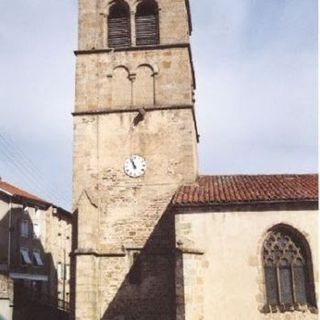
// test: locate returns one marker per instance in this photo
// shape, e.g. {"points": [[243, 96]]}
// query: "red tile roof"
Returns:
{"points": [[17, 192], [248, 189]]}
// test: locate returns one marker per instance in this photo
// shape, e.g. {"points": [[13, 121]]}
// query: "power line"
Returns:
{"points": [[38, 175], [31, 170]]}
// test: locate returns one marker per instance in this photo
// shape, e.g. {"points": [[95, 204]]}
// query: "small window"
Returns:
{"points": [[119, 34], [147, 23], [288, 271], [25, 258], [24, 228], [37, 258], [36, 231]]}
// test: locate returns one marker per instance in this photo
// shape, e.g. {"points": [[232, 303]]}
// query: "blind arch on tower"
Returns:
{"points": [[288, 271], [147, 23], [121, 88], [144, 86], [119, 31]]}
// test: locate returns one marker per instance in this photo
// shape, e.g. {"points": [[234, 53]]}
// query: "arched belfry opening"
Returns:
{"points": [[147, 23], [119, 33], [288, 270]]}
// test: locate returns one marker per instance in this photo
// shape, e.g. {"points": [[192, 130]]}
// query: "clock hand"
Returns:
{"points": [[134, 166]]}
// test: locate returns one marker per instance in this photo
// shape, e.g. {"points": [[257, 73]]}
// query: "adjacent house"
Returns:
{"points": [[35, 242]]}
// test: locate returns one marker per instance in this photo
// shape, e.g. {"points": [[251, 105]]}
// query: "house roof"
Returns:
{"points": [[14, 191], [247, 189]]}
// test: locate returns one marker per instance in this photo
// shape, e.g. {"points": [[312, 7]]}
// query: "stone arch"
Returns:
{"points": [[285, 252], [144, 86], [118, 24], [121, 87]]}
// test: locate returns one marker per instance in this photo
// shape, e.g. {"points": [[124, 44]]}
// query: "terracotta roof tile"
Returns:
{"points": [[17, 192], [248, 188]]}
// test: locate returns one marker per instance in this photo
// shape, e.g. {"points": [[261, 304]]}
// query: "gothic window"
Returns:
{"points": [[119, 25], [288, 271], [147, 23]]}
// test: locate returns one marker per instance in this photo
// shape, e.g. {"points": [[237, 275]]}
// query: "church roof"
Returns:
{"points": [[246, 189]]}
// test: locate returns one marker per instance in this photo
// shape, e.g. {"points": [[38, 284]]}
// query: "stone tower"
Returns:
{"points": [[135, 143]]}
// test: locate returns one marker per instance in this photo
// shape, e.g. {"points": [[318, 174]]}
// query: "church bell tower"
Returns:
{"points": [[135, 143]]}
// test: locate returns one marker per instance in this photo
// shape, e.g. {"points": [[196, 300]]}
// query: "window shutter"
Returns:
{"points": [[119, 32], [25, 256], [147, 29], [37, 257]]}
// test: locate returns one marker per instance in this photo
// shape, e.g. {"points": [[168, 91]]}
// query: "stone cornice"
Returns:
{"points": [[253, 206], [136, 109], [129, 109]]}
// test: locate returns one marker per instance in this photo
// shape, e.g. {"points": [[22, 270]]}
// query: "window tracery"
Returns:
{"points": [[287, 273]]}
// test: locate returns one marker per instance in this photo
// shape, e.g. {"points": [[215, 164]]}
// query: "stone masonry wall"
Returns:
{"points": [[118, 214], [131, 79], [93, 22], [125, 254]]}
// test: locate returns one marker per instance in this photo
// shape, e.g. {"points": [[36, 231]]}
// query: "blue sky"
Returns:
{"points": [[256, 93]]}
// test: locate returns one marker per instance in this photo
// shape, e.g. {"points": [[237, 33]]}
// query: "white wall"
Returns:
{"points": [[232, 279]]}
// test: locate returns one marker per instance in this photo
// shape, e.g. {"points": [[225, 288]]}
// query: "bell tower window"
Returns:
{"points": [[147, 23], [119, 34]]}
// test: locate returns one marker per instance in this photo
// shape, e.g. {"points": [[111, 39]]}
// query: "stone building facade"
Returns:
{"points": [[135, 145], [35, 237], [134, 100]]}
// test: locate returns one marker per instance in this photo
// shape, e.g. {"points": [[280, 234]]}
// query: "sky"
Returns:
{"points": [[256, 97]]}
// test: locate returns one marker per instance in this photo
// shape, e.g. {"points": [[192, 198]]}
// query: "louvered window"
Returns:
{"points": [[288, 273], [147, 23], [119, 26]]}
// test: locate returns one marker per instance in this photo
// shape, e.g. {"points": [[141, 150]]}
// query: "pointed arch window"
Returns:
{"points": [[288, 271], [119, 34], [147, 23]]}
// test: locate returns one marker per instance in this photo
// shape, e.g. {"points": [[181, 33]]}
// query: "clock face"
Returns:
{"points": [[135, 166]]}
